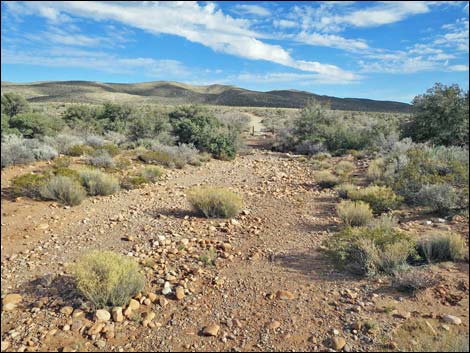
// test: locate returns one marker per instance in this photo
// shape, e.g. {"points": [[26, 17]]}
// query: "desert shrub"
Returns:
{"points": [[414, 280], [439, 197], [62, 162], [13, 104], [442, 247], [440, 116], [370, 250], [148, 124], [320, 164], [385, 222], [131, 182], [215, 202], [79, 150], [114, 117], [161, 157], [101, 159], [94, 141], [344, 189], [122, 163], [108, 279], [115, 137], [353, 213], [375, 171], [112, 149], [36, 124], [67, 172], [63, 189], [326, 180], [151, 174], [63, 142], [82, 117], [28, 185], [344, 168], [199, 127], [16, 150], [410, 167], [98, 183], [171, 156], [380, 198]]}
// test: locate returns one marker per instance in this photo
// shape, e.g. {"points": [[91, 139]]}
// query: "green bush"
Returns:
{"points": [[440, 116], [62, 162], [101, 159], [131, 182], [326, 180], [28, 185], [380, 198], [370, 250], [160, 157], [320, 164], [82, 117], [108, 279], [35, 124], [63, 189], [215, 202], [79, 150], [13, 104], [110, 148], [354, 214], [375, 171], [343, 190], [99, 183], [151, 174], [344, 167], [67, 172], [441, 198], [442, 247]]}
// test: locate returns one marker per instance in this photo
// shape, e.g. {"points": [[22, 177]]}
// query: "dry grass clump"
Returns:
{"points": [[375, 171], [63, 189], [442, 247], [215, 202], [151, 173], [344, 189], [414, 280], [106, 278], [99, 183], [343, 168], [354, 214], [326, 179]]}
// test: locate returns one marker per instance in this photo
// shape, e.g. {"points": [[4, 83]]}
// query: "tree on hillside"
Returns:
{"points": [[440, 116]]}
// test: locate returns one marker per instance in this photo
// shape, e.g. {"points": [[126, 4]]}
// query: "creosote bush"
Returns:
{"points": [[353, 213], [215, 202], [108, 279], [63, 189], [98, 183], [326, 179], [380, 198], [442, 247]]}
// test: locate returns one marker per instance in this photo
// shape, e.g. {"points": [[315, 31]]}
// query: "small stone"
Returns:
{"points": [[338, 343], [166, 288], [96, 328], [211, 330], [134, 304], [273, 325], [179, 292], [450, 319], [117, 314], [403, 315], [12, 298], [5, 345], [9, 307], [163, 302], [152, 297], [100, 344], [66, 310], [102, 315], [148, 317], [284, 295]]}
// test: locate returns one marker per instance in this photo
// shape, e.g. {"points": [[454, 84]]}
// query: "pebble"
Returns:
{"points": [[211, 330], [102, 315], [338, 343], [12, 299], [284, 295], [179, 292], [134, 304], [66, 310], [450, 319], [117, 314]]}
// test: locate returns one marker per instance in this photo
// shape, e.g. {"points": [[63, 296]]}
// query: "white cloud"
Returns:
{"points": [[201, 24], [284, 23], [256, 10], [458, 68], [331, 40], [286, 78]]}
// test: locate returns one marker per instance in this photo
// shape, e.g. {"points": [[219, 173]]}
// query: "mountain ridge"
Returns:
{"points": [[172, 92]]}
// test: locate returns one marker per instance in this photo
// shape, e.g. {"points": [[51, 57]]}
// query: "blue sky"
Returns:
{"points": [[377, 50]]}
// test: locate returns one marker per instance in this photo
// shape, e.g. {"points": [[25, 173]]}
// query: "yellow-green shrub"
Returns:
{"points": [[326, 180], [79, 150], [28, 184], [375, 171], [344, 189], [99, 183], [106, 278], [380, 198], [215, 202], [151, 173], [353, 213], [344, 167]]}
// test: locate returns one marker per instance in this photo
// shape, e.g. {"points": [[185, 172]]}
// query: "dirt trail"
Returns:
{"points": [[273, 247]]}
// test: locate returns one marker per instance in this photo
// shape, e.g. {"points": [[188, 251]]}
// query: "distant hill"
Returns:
{"points": [[165, 92]]}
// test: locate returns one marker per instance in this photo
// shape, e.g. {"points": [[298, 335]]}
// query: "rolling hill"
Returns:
{"points": [[165, 92]]}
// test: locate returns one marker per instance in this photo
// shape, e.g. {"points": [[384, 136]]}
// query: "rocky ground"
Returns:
{"points": [[258, 282]]}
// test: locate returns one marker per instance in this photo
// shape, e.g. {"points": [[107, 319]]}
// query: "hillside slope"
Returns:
{"points": [[179, 93]]}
